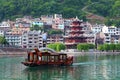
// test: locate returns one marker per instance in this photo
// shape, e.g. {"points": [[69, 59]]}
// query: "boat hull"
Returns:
{"points": [[31, 64]]}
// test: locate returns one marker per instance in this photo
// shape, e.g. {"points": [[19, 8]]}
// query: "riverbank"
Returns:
{"points": [[9, 54], [91, 53], [14, 53]]}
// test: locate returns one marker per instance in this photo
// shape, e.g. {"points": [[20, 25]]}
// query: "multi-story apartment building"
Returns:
{"points": [[47, 19], [37, 22], [114, 33], [20, 28], [1, 32], [5, 24], [112, 30], [4, 27], [107, 38], [13, 39], [58, 22], [55, 38], [97, 28], [117, 31], [32, 39], [111, 33]]}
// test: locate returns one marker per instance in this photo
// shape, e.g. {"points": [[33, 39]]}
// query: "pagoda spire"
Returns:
{"points": [[77, 19]]}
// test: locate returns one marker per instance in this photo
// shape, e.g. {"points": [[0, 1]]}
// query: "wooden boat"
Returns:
{"points": [[46, 56]]}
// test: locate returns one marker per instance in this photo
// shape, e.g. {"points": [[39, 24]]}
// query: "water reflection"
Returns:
{"points": [[89, 67], [48, 73]]}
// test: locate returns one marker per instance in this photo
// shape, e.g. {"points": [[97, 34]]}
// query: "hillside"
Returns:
{"points": [[11, 9]]}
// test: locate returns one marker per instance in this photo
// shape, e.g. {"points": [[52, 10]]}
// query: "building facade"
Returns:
{"points": [[75, 35], [32, 39], [55, 38], [13, 39]]}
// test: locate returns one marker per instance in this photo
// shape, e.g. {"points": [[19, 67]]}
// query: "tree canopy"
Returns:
{"points": [[52, 31], [57, 46], [11, 9], [3, 40]]}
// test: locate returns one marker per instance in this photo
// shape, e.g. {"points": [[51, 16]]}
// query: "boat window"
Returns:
{"points": [[35, 57], [31, 57], [56, 58], [44, 58], [39, 58]]}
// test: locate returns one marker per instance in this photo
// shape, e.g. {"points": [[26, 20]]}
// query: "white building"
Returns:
{"points": [[32, 39], [13, 40], [97, 28], [111, 33], [1, 33], [5, 24], [117, 31], [105, 29], [112, 30], [4, 27]]}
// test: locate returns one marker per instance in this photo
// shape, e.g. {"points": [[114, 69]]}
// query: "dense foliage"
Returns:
{"points": [[109, 47], [110, 9], [57, 46], [37, 28], [11, 9], [52, 32], [85, 46], [3, 41]]}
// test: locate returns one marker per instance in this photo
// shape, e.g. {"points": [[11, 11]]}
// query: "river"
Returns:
{"points": [[87, 67]]}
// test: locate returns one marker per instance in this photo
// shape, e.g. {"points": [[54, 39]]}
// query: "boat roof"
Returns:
{"points": [[44, 49], [51, 51]]}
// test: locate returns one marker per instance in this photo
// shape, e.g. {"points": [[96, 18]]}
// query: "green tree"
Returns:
{"points": [[106, 47], [117, 47], [91, 46], [116, 8], [17, 8], [60, 47], [52, 46], [112, 47], [57, 46], [100, 47], [83, 46], [3, 40], [52, 31], [37, 27]]}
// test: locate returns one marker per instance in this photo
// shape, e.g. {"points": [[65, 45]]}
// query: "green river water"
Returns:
{"points": [[89, 67]]}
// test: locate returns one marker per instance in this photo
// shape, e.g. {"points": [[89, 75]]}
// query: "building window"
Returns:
{"points": [[35, 38], [24, 39], [35, 35], [35, 46], [30, 41], [30, 38], [24, 43], [30, 46], [30, 35]]}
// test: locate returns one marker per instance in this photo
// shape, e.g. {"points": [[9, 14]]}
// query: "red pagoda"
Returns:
{"points": [[75, 34]]}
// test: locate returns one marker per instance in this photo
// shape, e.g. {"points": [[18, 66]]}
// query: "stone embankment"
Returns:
{"points": [[12, 51], [91, 53], [23, 52]]}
